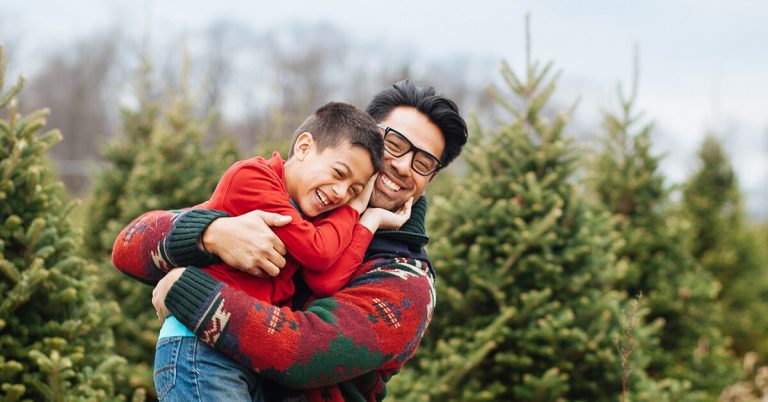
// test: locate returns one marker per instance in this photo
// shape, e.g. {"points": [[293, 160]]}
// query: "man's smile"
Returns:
{"points": [[389, 183]]}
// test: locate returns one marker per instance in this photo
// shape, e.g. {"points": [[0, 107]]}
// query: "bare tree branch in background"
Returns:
{"points": [[300, 69], [262, 84], [75, 85], [221, 47], [12, 40]]}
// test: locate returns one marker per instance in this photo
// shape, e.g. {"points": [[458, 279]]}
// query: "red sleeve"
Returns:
{"points": [[249, 186], [139, 250], [324, 284]]}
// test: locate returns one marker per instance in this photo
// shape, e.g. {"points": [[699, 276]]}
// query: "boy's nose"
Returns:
{"points": [[337, 193]]}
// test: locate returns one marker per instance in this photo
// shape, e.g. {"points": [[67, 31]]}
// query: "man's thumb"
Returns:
{"points": [[273, 219]]}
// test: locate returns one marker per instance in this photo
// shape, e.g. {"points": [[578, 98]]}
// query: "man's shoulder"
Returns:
{"points": [[408, 269]]}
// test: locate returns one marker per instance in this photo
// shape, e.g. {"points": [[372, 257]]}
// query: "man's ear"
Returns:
{"points": [[304, 143]]}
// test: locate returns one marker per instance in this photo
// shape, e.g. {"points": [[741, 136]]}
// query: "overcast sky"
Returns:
{"points": [[704, 64]]}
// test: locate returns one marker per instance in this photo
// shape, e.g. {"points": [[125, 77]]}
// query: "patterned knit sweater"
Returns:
{"points": [[343, 347]]}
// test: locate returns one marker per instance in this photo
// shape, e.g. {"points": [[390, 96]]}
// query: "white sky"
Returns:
{"points": [[704, 64]]}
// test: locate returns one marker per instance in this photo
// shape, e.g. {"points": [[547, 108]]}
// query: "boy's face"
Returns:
{"points": [[397, 182], [329, 179]]}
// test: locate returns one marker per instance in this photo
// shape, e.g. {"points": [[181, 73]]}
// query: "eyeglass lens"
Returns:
{"points": [[397, 145]]}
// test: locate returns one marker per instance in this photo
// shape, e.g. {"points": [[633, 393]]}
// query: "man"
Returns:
{"points": [[343, 347]]}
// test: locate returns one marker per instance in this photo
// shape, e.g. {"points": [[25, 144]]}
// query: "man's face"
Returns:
{"points": [[397, 182]]}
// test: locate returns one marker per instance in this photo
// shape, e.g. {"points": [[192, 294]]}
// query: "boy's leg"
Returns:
{"points": [[189, 370]]}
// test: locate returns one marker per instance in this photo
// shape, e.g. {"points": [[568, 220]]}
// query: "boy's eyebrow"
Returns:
{"points": [[345, 165]]}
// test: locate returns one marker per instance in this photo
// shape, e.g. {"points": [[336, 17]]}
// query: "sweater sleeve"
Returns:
{"points": [[324, 284], [315, 245], [376, 322], [158, 241]]}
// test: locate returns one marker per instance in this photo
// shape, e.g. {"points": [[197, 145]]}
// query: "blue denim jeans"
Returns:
{"points": [[189, 370]]}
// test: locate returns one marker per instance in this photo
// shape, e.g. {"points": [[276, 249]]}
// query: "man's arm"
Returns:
{"points": [[158, 241], [376, 322]]}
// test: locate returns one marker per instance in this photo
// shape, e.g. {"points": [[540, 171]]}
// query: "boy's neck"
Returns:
{"points": [[290, 171]]}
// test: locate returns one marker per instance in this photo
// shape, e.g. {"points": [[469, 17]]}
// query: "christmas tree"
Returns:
{"points": [[159, 162], [54, 344], [655, 261], [728, 248], [525, 268]]}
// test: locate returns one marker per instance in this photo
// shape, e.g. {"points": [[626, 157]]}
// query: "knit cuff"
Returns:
{"points": [[190, 296], [181, 244]]}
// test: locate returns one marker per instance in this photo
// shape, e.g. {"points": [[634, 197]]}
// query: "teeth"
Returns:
{"points": [[321, 198], [390, 184]]}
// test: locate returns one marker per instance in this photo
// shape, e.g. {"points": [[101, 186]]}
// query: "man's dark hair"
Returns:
{"points": [[336, 122], [440, 110]]}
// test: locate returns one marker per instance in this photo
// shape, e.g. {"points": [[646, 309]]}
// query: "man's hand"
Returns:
{"points": [[360, 203], [161, 291], [247, 243]]}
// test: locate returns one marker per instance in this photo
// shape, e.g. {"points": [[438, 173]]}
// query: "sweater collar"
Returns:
{"points": [[413, 231], [406, 242]]}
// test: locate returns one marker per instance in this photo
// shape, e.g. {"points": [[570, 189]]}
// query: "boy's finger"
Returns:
{"points": [[406, 210]]}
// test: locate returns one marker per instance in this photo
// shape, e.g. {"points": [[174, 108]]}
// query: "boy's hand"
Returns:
{"points": [[379, 218], [360, 203], [247, 243]]}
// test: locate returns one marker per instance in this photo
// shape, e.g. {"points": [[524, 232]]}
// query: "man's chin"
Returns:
{"points": [[379, 200]]}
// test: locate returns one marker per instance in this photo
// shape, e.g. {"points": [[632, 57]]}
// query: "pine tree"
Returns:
{"points": [[729, 248], [53, 341], [681, 295], [525, 307], [160, 162]]}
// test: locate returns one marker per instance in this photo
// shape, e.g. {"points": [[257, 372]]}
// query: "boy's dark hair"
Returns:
{"points": [[336, 122], [442, 111]]}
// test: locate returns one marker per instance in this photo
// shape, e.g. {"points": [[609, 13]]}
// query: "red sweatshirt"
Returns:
{"points": [[329, 248]]}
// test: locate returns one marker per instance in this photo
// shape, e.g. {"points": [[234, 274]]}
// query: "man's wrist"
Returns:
{"points": [[207, 241], [189, 294], [182, 244], [370, 220]]}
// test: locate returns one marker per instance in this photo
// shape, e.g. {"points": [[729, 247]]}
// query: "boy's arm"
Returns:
{"points": [[315, 245], [376, 322], [326, 283]]}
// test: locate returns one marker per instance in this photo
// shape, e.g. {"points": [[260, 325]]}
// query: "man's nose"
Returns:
{"points": [[402, 164]]}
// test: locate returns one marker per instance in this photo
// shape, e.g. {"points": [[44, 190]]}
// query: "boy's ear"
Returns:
{"points": [[304, 143]]}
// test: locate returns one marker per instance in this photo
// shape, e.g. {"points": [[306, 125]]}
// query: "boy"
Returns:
{"points": [[333, 159]]}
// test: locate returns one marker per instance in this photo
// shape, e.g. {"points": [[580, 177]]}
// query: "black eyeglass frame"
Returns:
{"points": [[411, 147]]}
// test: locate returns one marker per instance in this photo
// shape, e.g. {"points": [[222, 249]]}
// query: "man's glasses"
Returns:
{"points": [[395, 143]]}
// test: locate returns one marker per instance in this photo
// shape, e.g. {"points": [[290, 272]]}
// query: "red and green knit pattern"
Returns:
{"points": [[340, 348]]}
